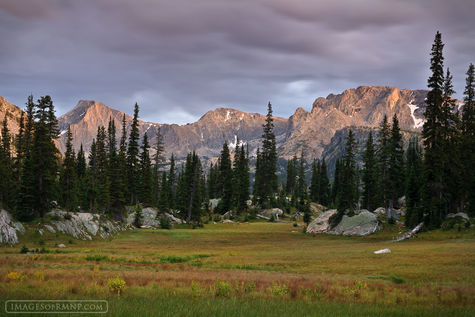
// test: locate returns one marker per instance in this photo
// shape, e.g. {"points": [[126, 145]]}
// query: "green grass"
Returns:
{"points": [[252, 269]]}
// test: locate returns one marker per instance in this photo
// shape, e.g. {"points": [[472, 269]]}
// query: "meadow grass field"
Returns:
{"points": [[249, 269]]}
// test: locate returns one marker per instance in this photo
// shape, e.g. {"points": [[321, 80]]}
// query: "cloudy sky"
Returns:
{"points": [[181, 58]]}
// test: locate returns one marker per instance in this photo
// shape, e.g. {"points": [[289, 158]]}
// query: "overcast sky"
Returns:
{"points": [[181, 58]]}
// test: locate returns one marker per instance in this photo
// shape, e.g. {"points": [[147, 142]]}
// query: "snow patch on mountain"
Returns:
{"points": [[418, 123]]}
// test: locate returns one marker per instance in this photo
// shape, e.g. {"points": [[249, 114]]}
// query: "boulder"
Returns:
{"points": [[459, 214], [382, 251], [227, 221], [380, 211], [360, 225], [50, 229], [9, 228], [316, 208], [321, 225], [402, 202], [276, 212], [61, 245]]}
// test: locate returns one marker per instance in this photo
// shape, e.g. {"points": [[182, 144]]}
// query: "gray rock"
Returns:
{"points": [[50, 229], [8, 229], [380, 211], [40, 231], [321, 225], [276, 212], [459, 214], [360, 225], [382, 251], [61, 245], [227, 221]]}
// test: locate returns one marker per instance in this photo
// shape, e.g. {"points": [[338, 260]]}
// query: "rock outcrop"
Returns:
{"points": [[363, 224], [9, 228], [83, 226], [321, 225], [151, 217]]}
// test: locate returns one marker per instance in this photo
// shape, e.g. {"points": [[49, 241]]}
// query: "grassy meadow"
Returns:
{"points": [[250, 269]]}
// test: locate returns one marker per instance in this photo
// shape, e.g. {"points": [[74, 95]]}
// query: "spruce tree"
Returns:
{"points": [[467, 142], [103, 197], [370, 177], [383, 157], [315, 182], [347, 193], [20, 150], [145, 179], [38, 188], [241, 179], [324, 184], [6, 164], [291, 175], [158, 160], [115, 171], [433, 203], [396, 163], [132, 157], [268, 162], [81, 172], [122, 161], [68, 179], [225, 180], [172, 184], [413, 183], [164, 190]]}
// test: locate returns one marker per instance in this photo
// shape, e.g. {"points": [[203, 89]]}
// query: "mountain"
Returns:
{"points": [[314, 132], [13, 115]]}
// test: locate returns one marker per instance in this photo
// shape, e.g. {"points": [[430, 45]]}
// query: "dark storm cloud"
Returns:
{"points": [[180, 58]]}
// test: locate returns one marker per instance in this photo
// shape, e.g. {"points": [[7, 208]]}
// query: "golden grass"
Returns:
{"points": [[251, 260]]}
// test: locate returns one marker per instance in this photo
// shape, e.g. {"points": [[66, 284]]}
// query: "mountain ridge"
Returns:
{"points": [[307, 131]]}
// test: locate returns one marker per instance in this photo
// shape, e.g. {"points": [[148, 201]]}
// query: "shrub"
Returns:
{"points": [[24, 249], [16, 276], [97, 257], [116, 285], [39, 275], [279, 289], [397, 280], [165, 222], [67, 216], [138, 216], [222, 288]]}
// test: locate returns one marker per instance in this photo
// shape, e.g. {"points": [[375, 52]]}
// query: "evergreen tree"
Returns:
{"points": [[383, 158], [20, 150], [370, 178], [225, 180], [337, 180], [432, 131], [68, 179], [6, 165], [212, 185], [164, 190], [92, 177], [145, 184], [81, 172], [267, 172], [301, 190], [158, 161], [172, 184], [132, 157], [413, 183], [291, 175], [324, 184], [348, 188], [241, 179], [315, 182], [38, 187], [467, 142], [103, 197], [115, 171], [122, 162], [193, 188], [396, 163]]}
